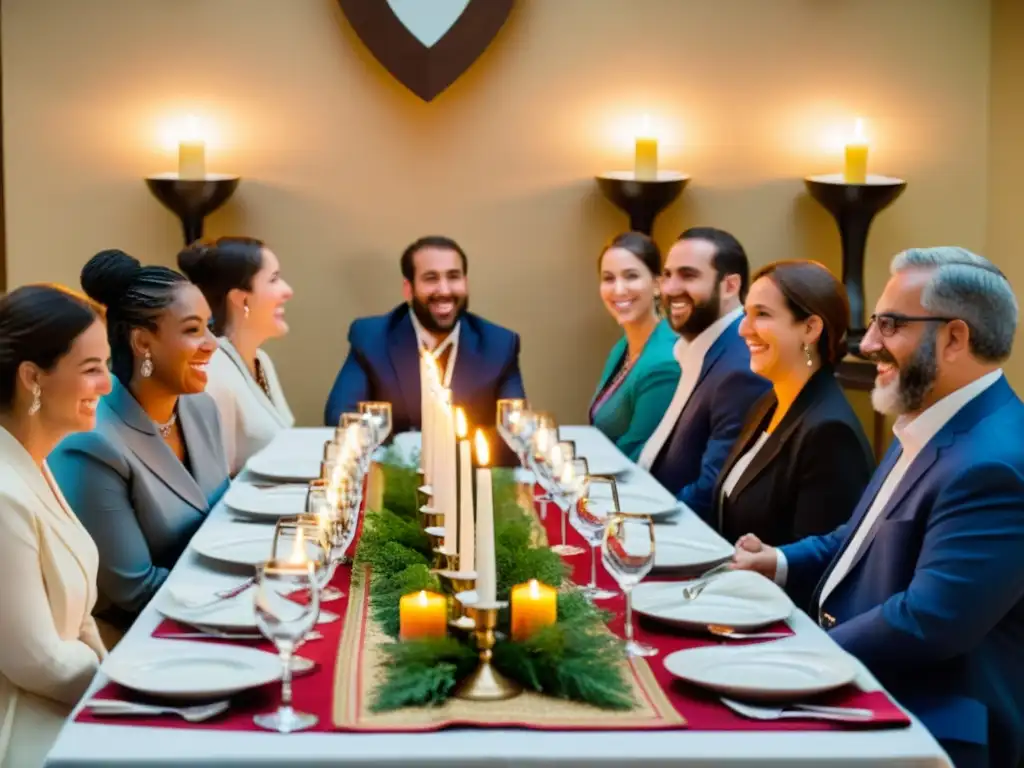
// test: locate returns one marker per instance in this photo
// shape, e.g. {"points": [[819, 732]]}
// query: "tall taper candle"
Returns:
{"points": [[467, 528], [486, 569], [444, 484], [426, 416]]}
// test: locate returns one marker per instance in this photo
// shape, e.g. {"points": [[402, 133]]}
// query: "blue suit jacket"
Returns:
{"points": [[692, 457], [934, 602], [383, 364]]}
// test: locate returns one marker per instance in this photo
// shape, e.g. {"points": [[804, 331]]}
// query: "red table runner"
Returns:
{"points": [[702, 710]]}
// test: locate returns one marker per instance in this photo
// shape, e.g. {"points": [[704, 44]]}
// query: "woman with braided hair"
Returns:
{"points": [[146, 478]]}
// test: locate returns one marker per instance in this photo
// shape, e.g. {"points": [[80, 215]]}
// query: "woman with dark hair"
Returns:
{"points": [[53, 371], [641, 373], [241, 279], [146, 478], [802, 461]]}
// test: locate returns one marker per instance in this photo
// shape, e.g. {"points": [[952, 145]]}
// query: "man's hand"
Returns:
{"points": [[753, 555]]}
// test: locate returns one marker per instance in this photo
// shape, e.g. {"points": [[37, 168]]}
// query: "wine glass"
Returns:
{"points": [[322, 512], [285, 621], [379, 414], [346, 501], [543, 434], [588, 516], [300, 539], [566, 488], [627, 551], [512, 413]]}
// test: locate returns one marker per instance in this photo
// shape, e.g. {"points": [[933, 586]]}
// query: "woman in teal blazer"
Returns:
{"points": [[641, 373]]}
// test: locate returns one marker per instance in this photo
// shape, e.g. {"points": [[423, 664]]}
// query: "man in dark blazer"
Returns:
{"points": [[704, 282], [477, 359], [925, 584]]}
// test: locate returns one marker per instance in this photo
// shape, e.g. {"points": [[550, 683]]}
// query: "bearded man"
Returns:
{"points": [[477, 360], [925, 583]]}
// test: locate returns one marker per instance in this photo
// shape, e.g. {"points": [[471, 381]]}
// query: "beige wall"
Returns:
{"points": [[342, 166]]}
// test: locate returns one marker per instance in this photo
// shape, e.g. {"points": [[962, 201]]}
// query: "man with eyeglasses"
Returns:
{"points": [[925, 583]]}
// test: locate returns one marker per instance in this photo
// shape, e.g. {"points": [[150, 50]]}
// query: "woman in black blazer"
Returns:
{"points": [[802, 461]]}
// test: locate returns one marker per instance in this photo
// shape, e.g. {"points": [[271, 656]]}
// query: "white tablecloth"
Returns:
{"points": [[112, 746]]}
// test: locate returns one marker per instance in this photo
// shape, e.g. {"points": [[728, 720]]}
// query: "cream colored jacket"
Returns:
{"points": [[50, 647], [249, 419]]}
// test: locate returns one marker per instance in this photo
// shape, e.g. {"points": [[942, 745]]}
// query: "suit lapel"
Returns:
{"points": [[403, 350], [469, 362], [141, 437], [610, 365], [257, 391], [755, 423]]}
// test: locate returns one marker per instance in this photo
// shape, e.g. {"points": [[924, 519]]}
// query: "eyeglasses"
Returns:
{"points": [[890, 322]]}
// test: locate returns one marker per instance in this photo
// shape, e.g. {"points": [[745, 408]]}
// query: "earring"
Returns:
{"points": [[37, 400], [245, 310], [146, 369], [807, 354]]}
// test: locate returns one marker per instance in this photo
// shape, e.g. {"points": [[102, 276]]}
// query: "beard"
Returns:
{"points": [[702, 314], [431, 323], [914, 381]]}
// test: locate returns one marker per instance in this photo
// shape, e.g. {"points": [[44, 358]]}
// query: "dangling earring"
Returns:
{"points": [[245, 310], [807, 354], [146, 369], [37, 400]]}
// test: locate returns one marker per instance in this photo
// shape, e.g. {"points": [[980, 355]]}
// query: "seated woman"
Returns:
{"points": [[241, 279], [641, 373], [145, 479], [53, 370], [802, 461]]}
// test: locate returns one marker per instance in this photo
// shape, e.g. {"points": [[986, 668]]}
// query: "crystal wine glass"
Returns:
{"points": [[627, 552], [301, 539], [566, 487], [379, 414], [588, 515], [543, 435], [285, 621], [512, 417]]}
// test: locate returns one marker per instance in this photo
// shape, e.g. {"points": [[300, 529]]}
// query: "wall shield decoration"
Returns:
{"points": [[426, 44]]}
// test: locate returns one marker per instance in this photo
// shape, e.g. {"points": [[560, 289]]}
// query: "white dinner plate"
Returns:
{"points": [[783, 670], [178, 602], [228, 544], [252, 501], [738, 599], [184, 670], [631, 500], [277, 464], [673, 551]]}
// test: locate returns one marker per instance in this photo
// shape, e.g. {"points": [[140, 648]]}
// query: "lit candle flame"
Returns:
{"points": [[483, 453], [422, 598], [858, 131], [645, 128], [534, 589], [461, 428], [191, 129]]}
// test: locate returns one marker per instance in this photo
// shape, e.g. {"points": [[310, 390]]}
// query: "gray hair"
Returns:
{"points": [[971, 288]]}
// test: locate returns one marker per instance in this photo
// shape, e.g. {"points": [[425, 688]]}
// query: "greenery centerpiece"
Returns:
{"points": [[575, 658]]}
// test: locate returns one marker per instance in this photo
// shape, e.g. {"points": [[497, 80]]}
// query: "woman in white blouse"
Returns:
{"points": [[53, 371], [241, 279]]}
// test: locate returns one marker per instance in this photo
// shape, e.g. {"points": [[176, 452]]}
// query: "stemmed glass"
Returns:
{"points": [[379, 415], [285, 621], [627, 552], [566, 487], [302, 539], [514, 420], [588, 518]]}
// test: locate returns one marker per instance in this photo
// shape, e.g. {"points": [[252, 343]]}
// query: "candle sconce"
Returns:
{"points": [[854, 206], [641, 199], [192, 200]]}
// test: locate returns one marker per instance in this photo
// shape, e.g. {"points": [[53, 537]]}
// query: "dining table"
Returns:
{"points": [[112, 743]]}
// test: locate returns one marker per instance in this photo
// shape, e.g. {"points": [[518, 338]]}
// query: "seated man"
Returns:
{"points": [[478, 360], [704, 283], [925, 584]]}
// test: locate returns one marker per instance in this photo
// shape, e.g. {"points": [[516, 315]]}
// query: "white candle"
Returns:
{"points": [[191, 151], [486, 569], [445, 496], [467, 526], [426, 416]]}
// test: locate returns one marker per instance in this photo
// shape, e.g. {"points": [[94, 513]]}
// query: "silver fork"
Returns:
{"points": [[802, 711], [195, 714], [220, 596], [208, 633], [698, 585]]}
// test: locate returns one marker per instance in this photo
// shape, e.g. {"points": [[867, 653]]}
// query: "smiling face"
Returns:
{"points": [[690, 287], [266, 299], [627, 286], [72, 388], [182, 345], [907, 364], [439, 291], [776, 339]]}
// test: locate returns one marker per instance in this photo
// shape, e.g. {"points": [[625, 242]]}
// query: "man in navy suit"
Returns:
{"points": [[478, 360], [703, 284], [925, 583]]}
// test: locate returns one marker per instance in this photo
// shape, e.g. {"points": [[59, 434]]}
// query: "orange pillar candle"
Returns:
{"points": [[855, 167], [534, 606], [422, 614]]}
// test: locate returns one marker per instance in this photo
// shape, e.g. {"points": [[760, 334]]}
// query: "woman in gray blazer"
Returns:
{"points": [[144, 480]]}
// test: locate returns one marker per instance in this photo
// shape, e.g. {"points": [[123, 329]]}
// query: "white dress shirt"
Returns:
{"points": [[690, 355], [249, 418], [913, 436], [742, 463], [436, 348]]}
